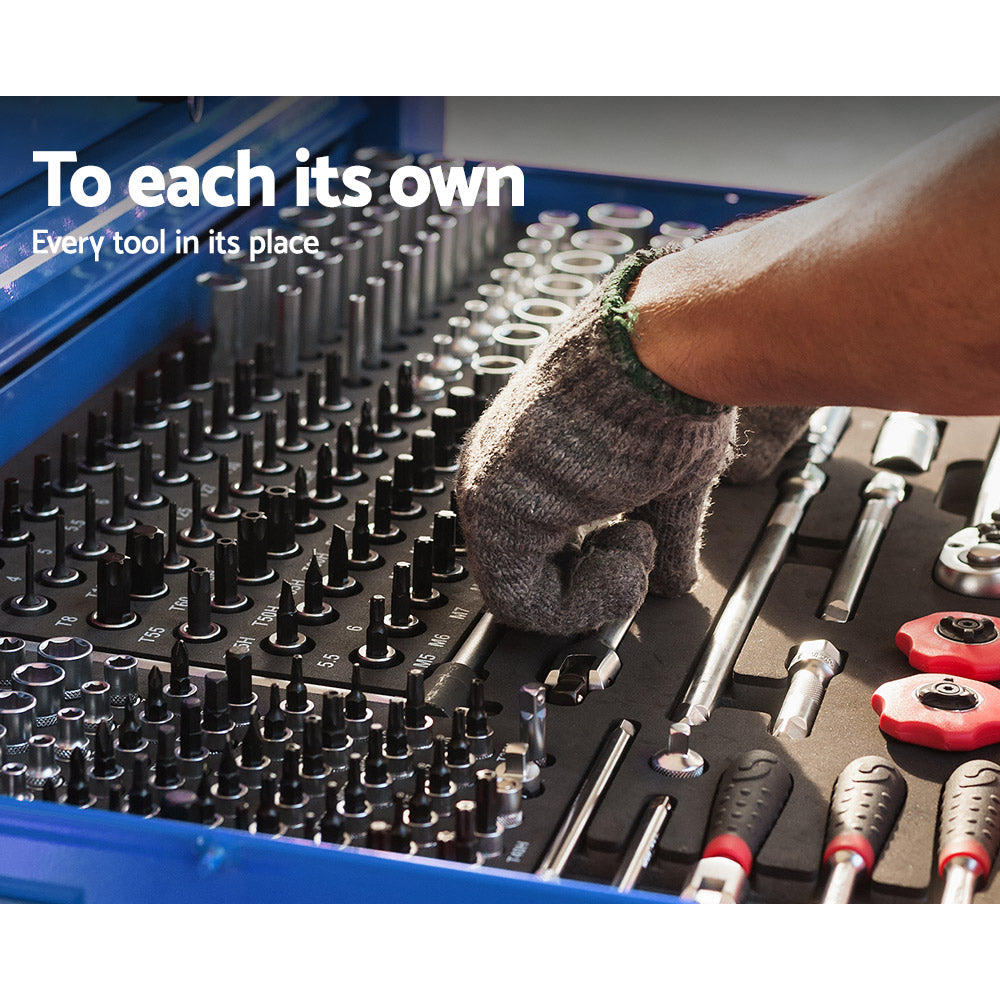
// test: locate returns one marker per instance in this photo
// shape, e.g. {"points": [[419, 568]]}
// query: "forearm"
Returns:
{"points": [[885, 294]]}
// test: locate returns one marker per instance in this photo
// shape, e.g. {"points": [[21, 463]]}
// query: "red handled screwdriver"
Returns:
{"points": [[751, 794], [968, 829], [867, 799]]}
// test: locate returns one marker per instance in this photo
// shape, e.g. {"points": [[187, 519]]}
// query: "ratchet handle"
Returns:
{"points": [[969, 821], [749, 800], [867, 799]]}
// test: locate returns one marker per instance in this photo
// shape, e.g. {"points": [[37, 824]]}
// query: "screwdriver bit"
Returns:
{"points": [[278, 503], [254, 763], [336, 741], [354, 807], [174, 561], [129, 739], [367, 448], [172, 474], [296, 704], [489, 831], [226, 597], [286, 640], [315, 421], [339, 582], [420, 816], [425, 481], [331, 826], [145, 547], [41, 507], [251, 549], [123, 436], [114, 586], [69, 482], [242, 699], [199, 626], [304, 519], [405, 408], [400, 841], [418, 725], [376, 653], [270, 464], [292, 798], [315, 771], [221, 427], [377, 781], [334, 400], [104, 768], [459, 758], [293, 441], [478, 731], [325, 494], [357, 715], [195, 450], [197, 534], [276, 732], [383, 531], [441, 789], [180, 686], [155, 711], [423, 593], [363, 557], [77, 788], [403, 506], [228, 791], [244, 377], [190, 752], [223, 509], [145, 496], [466, 839], [247, 486], [140, 796], [347, 474], [385, 412], [217, 727]]}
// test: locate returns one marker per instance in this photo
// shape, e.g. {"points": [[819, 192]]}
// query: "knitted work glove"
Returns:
{"points": [[764, 434], [582, 434]]}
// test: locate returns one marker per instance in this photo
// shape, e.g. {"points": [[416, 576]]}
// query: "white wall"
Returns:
{"points": [[793, 144]]}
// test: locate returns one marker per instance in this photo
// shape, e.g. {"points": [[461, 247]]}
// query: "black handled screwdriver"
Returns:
{"points": [[867, 799], [968, 829], [751, 794]]}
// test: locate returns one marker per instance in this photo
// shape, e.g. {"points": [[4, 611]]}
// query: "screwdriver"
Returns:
{"points": [[867, 799], [968, 829], [751, 794]]}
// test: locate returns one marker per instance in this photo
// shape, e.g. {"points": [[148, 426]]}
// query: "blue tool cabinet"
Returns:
{"points": [[67, 326]]}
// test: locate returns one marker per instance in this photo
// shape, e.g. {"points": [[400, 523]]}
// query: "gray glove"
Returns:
{"points": [[582, 434], [764, 434]]}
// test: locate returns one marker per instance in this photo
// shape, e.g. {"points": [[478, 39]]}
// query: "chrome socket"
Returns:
{"points": [[411, 257], [541, 250], [331, 264], [258, 300], [228, 299], [14, 781], [288, 330], [71, 734], [42, 763], [122, 675], [463, 345], [480, 328], [524, 266], [96, 705], [614, 244], [492, 373], [392, 325], [630, 220], [427, 387], [546, 313], [519, 340], [17, 715], [445, 226], [75, 656], [430, 243], [566, 220], [311, 280], [356, 308], [13, 652], [554, 234], [584, 264], [493, 296], [570, 289], [374, 329], [45, 682], [351, 276]]}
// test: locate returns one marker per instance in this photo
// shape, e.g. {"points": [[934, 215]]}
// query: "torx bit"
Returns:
{"points": [[293, 441], [286, 640], [278, 503], [304, 519], [228, 792], [489, 831], [354, 808], [221, 427], [41, 507], [325, 495], [254, 763], [275, 731], [247, 485], [191, 752], [181, 685], [292, 799], [332, 829], [123, 436], [425, 481], [28, 603], [104, 769], [198, 362], [265, 391], [315, 422], [314, 610], [347, 474], [239, 678], [226, 596], [223, 509], [145, 497], [296, 704], [376, 652], [398, 760], [118, 522], [403, 505], [244, 379], [60, 574], [423, 594], [95, 449], [335, 739], [377, 781], [174, 561], [77, 788], [363, 557], [443, 421], [356, 324], [445, 566], [419, 726], [251, 549], [401, 620], [383, 531], [357, 715], [334, 400], [315, 771], [114, 585], [69, 482], [339, 582], [172, 474], [140, 796], [195, 450], [459, 758], [270, 464], [268, 821], [145, 547], [89, 547], [197, 534], [367, 448], [199, 626], [155, 711], [129, 739], [216, 725], [478, 731], [172, 385]]}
